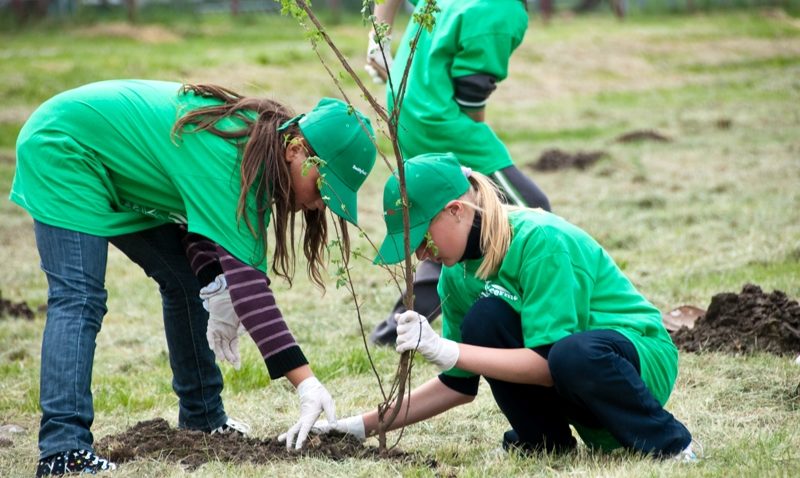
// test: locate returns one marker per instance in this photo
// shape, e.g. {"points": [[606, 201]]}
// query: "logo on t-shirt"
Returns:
{"points": [[165, 216], [493, 290]]}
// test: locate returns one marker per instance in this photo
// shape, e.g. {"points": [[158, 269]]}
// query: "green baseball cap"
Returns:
{"points": [[346, 148], [432, 180]]}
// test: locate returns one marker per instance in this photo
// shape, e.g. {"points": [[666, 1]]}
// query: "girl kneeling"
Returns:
{"points": [[539, 309]]}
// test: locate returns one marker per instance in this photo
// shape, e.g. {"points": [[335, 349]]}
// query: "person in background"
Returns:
{"points": [[455, 68], [139, 164]]}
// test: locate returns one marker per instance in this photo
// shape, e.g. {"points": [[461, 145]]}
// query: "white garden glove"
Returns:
{"points": [[314, 398], [414, 332], [353, 426], [224, 327], [376, 67]]}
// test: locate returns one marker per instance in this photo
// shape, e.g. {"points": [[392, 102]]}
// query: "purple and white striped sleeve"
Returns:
{"points": [[255, 305], [202, 255]]}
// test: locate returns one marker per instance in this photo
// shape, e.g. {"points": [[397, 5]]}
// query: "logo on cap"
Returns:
{"points": [[359, 170]]}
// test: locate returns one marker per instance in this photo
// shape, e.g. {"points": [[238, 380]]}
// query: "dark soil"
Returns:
{"points": [[155, 439], [751, 321], [15, 309], [555, 159], [724, 123], [643, 135]]}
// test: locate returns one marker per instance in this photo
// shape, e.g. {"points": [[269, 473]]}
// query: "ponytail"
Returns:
{"points": [[495, 238]]}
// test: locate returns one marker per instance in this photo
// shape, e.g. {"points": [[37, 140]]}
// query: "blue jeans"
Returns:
{"points": [[75, 265]]}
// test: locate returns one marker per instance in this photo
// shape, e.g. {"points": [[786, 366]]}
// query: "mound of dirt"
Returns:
{"points": [[643, 135], [724, 123], [19, 310], [751, 321], [554, 159], [156, 440]]}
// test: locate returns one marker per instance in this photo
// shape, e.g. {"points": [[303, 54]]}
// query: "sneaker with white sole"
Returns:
{"points": [[688, 454], [73, 462], [232, 426]]}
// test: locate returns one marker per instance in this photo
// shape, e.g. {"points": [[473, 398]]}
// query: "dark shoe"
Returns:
{"points": [[426, 302], [73, 462], [512, 441], [385, 333]]}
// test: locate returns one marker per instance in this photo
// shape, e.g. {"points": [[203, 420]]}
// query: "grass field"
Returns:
{"points": [[715, 208]]}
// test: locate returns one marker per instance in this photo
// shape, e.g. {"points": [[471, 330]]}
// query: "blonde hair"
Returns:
{"points": [[495, 238]]}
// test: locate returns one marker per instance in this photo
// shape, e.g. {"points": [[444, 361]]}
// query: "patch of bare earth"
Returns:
{"points": [[751, 321], [152, 34], [627, 62], [13, 309], [7, 157], [156, 439], [780, 15], [643, 135], [555, 159], [15, 114]]}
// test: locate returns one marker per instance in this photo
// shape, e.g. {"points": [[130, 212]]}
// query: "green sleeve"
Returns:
{"points": [[550, 286], [486, 54], [488, 33]]}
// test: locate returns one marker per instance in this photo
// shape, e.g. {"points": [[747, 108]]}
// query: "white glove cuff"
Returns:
{"points": [[448, 354], [213, 288], [307, 385], [354, 426]]}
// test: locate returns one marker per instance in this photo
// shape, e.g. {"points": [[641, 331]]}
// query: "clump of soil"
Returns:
{"points": [[554, 159], [155, 439], [643, 135], [724, 123], [15, 309], [751, 321]]}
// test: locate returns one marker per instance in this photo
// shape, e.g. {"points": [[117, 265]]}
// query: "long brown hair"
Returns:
{"points": [[264, 174]]}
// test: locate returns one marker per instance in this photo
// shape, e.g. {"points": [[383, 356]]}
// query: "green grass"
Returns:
{"points": [[711, 210]]}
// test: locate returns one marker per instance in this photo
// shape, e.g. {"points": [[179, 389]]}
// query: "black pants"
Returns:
{"points": [[597, 384], [518, 190]]}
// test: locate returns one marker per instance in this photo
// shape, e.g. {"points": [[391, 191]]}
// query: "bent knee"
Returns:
{"points": [[491, 322], [570, 360]]}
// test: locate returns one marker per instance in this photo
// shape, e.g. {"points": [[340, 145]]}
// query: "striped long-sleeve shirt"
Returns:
{"points": [[253, 302]]}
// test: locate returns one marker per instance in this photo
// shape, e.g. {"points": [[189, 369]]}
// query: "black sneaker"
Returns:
{"points": [[73, 461], [512, 441], [385, 333]]}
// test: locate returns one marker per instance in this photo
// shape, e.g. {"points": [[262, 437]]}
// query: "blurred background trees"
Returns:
{"points": [[22, 12]]}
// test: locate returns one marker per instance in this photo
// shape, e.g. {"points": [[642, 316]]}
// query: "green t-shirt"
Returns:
{"points": [[469, 37], [561, 281], [101, 159]]}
